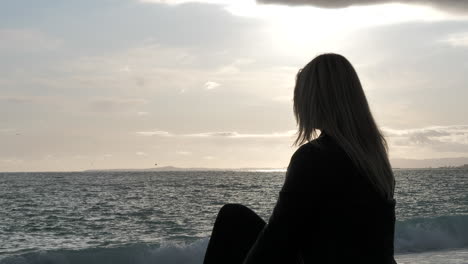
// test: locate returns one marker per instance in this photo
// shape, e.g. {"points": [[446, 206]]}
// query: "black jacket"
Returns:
{"points": [[327, 212]]}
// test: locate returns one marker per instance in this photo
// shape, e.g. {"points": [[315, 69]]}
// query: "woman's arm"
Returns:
{"points": [[279, 240]]}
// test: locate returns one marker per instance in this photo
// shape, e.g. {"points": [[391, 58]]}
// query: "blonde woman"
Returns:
{"points": [[336, 204]]}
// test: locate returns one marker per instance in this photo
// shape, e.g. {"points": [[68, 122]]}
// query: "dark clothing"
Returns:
{"points": [[235, 231], [327, 212]]}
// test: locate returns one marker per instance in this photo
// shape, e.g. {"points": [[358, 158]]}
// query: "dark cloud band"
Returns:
{"points": [[456, 6]]}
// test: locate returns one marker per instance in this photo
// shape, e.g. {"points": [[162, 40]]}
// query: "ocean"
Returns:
{"points": [[166, 217]]}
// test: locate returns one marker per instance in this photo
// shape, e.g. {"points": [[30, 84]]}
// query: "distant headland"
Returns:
{"points": [[172, 168], [453, 163], [464, 166], [434, 163]]}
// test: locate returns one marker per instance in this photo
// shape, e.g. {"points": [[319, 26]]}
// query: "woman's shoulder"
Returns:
{"points": [[319, 148], [306, 162], [319, 162]]}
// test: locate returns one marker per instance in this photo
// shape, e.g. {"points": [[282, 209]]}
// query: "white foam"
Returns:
{"points": [[135, 254], [180, 254], [459, 256]]}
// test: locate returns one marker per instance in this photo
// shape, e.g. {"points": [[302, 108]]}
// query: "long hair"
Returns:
{"points": [[328, 96]]}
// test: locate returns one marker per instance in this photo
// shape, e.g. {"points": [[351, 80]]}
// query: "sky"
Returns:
{"points": [[96, 84]]}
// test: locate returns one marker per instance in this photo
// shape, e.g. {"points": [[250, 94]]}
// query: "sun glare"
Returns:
{"points": [[306, 27]]}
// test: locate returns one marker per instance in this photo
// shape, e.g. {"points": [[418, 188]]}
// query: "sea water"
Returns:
{"points": [[167, 217]]}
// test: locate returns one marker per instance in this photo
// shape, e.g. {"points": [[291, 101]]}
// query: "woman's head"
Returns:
{"points": [[328, 96]]}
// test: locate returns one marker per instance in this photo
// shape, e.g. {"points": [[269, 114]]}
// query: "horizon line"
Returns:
{"points": [[246, 169]]}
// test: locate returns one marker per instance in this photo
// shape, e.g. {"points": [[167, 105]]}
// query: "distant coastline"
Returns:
{"points": [[397, 164], [405, 164], [464, 166], [434, 163], [173, 168]]}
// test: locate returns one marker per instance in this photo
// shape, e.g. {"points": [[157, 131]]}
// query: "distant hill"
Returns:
{"points": [[164, 168], [461, 162], [172, 168], [429, 163], [464, 166]]}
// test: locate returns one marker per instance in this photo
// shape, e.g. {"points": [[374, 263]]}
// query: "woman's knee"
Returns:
{"points": [[232, 208], [238, 218], [238, 212]]}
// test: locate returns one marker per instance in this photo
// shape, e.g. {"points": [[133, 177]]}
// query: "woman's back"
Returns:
{"points": [[336, 204], [327, 212]]}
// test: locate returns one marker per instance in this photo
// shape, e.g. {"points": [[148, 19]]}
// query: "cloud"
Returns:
{"points": [[7, 130], [428, 131], [457, 40], [125, 69], [438, 138], [22, 40], [142, 113], [452, 6], [11, 161], [185, 153], [211, 85], [214, 134], [174, 69], [49, 157], [234, 134], [17, 99], [141, 153], [234, 67], [455, 6], [177, 2], [112, 103], [283, 98], [154, 133], [44, 100], [220, 134], [79, 156]]}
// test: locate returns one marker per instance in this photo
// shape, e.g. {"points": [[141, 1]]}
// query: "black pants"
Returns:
{"points": [[235, 231]]}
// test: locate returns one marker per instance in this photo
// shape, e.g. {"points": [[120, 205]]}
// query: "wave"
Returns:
{"points": [[427, 234], [414, 235], [136, 254]]}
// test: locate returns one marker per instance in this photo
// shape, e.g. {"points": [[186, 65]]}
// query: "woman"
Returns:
{"points": [[336, 204]]}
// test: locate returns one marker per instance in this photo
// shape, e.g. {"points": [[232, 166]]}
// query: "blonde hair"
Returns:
{"points": [[328, 96]]}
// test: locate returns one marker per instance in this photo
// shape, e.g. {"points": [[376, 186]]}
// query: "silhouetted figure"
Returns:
{"points": [[336, 204]]}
